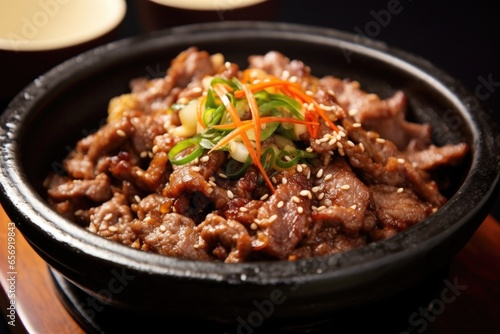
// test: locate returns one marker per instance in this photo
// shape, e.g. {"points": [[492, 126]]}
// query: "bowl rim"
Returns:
{"points": [[367, 258]]}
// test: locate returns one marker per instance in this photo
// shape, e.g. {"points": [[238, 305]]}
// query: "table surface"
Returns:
{"points": [[476, 268]]}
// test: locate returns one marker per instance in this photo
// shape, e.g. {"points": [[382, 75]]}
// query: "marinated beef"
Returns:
{"points": [[335, 167]]}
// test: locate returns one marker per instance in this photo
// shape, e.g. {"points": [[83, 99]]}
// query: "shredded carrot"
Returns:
{"points": [[254, 109], [266, 84], [264, 120], [199, 110], [313, 129], [221, 91], [308, 99], [232, 135], [294, 90]]}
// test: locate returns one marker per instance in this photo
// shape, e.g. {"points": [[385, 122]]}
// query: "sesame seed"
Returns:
{"points": [[272, 218], [342, 134], [306, 193], [274, 179], [339, 145], [120, 133], [319, 173], [196, 169], [264, 197], [341, 151], [332, 141], [380, 140], [309, 149], [310, 93], [299, 168], [300, 209], [205, 158], [401, 161], [356, 125], [324, 139], [108, 216], [224, 176], [328, 177], [197, 90], [137, 198], [315, 189], [327, 108], [345, 187], [212, 183], [163, 228], [350, 143], [362, 147], [330, 92], [326, 159], [143, 154], [322, 208], [230, 194], [211, 178], [321, 196], [284, 180], [353, 112], [210, 190], [196, 246], [243, 209], [280, 204], [78, 212], [400, 190], [113, 228], [254, 226], [155, 149], [295, 199]]}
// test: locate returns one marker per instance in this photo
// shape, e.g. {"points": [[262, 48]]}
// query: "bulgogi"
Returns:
{"points": [[216, 163]]}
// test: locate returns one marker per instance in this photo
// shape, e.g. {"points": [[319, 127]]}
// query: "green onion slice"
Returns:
{"points": [[184, 146]]}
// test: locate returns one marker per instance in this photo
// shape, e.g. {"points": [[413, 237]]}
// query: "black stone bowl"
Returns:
{"points": [[70, 101]]}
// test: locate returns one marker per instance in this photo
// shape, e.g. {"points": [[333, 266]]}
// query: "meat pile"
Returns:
{"points": [[371, 180]]}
